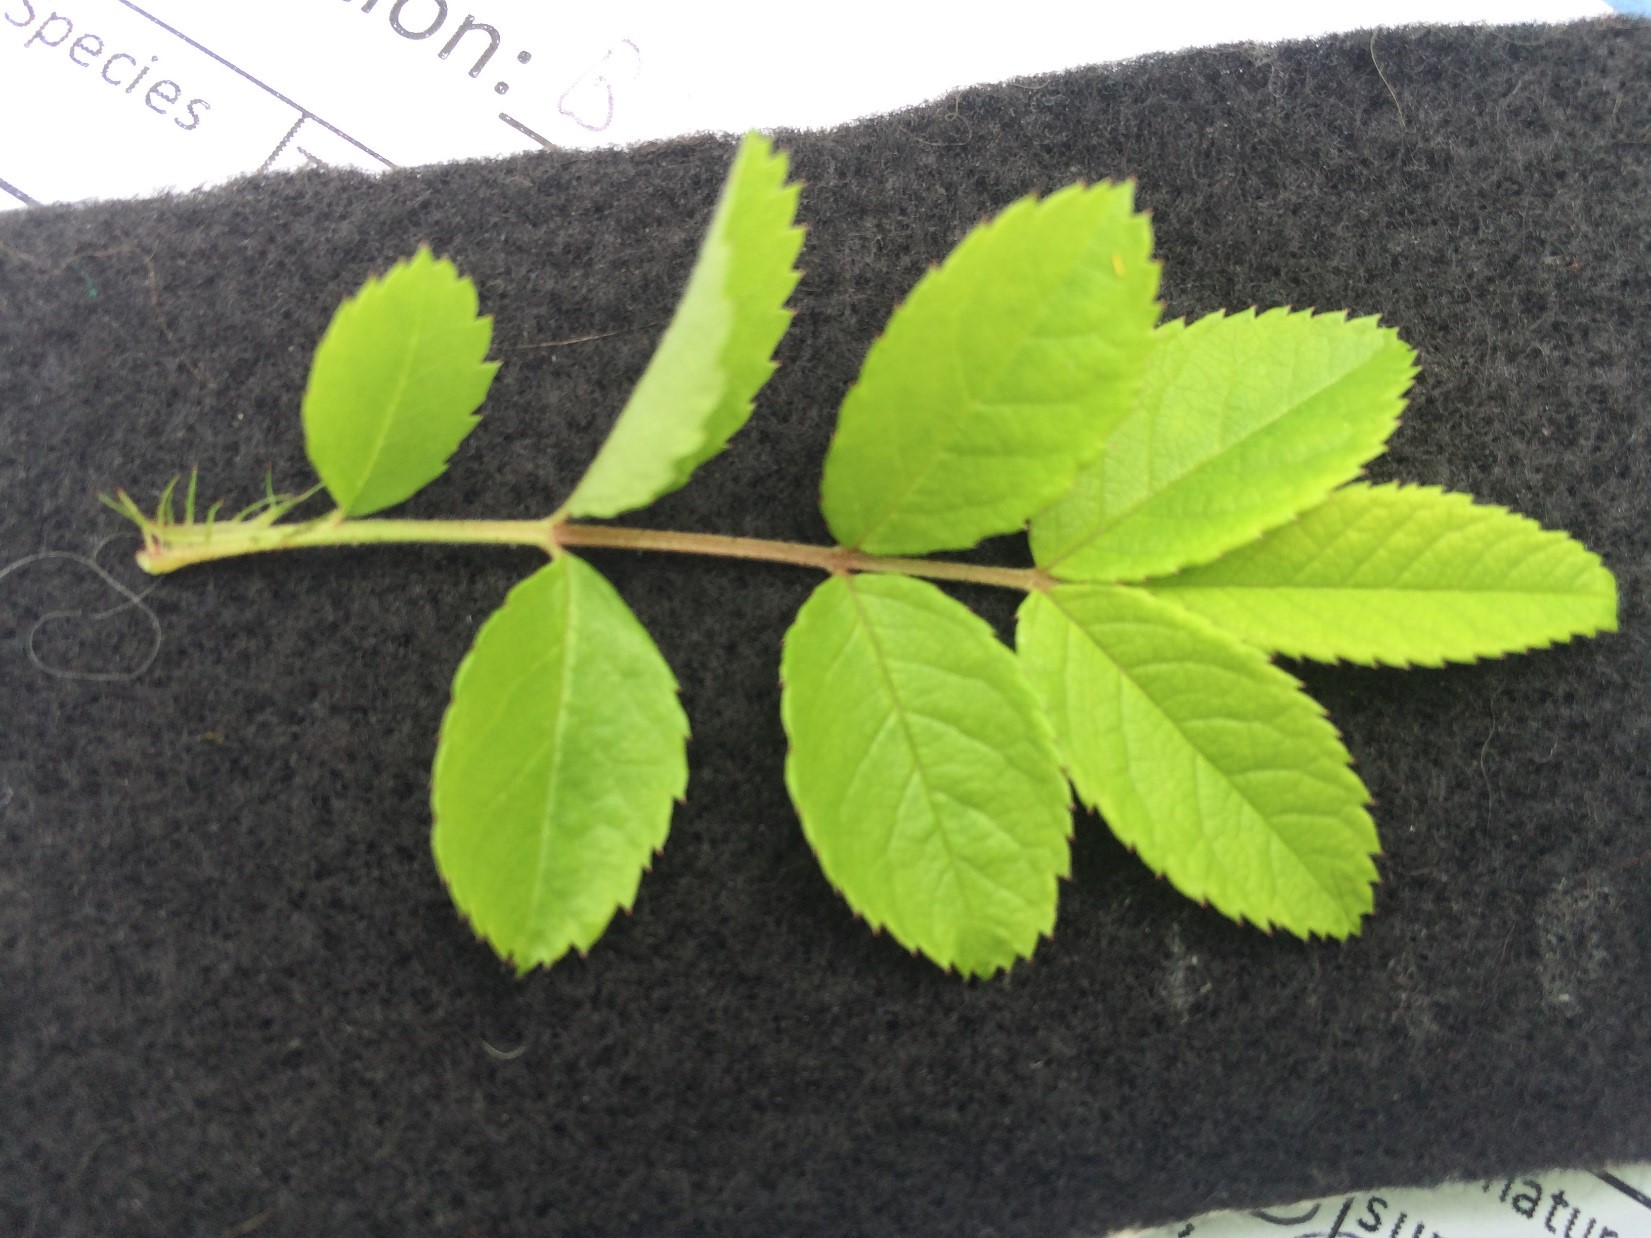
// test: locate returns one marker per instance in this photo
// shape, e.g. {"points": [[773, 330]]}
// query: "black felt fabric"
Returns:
{"points": [[233, 992]]}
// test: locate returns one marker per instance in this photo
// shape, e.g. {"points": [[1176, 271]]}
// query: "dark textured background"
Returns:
{"points": [[233, 991]]}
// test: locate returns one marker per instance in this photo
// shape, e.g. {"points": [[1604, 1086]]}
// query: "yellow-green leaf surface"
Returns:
{"points": [[717, 351], [923, 771], [395, 384], [1205, 758], [1242, 422], [561, 756], [999, 377], [1402, 574]]}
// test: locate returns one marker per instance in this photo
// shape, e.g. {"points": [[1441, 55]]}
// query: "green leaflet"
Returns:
{"points": [[999, 377], [716, 353], [1402, 574], [1209, 761], [395, 384], [1242, 422], [560, 757], [923, 771]]}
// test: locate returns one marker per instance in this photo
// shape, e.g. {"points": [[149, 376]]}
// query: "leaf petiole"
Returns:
{"points": [[170, 547]]}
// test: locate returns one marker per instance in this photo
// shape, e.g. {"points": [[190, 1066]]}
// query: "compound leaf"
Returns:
{"points": [[717, 351], [923, 771], [560, 757], [1242, 422], [395, 384], [999, 377], [1205, 758], [1402, 574]]}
